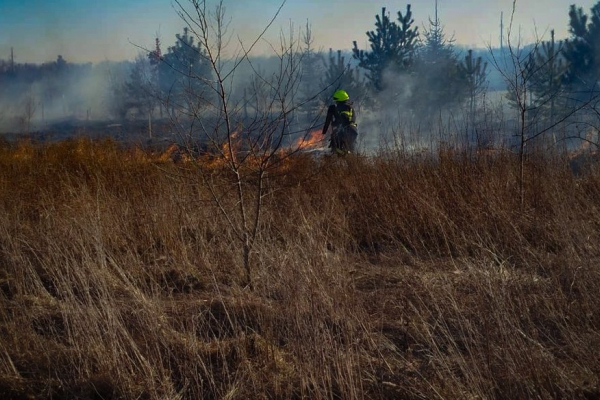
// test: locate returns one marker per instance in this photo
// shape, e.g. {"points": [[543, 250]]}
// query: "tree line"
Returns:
{"points": [[420, 72]]}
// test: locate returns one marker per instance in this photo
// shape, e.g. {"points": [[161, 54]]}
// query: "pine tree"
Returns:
{"points": [[139, 89], [155, 56], [408, 39], [439, 82], [547, 82], [437, 47], [155, 59], [312, 70], [474, 71], [341, 75], [582, 50], [184, 74], [392, 45]]}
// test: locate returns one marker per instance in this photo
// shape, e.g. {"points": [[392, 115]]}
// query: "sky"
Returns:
{"points": [[95, 30]]}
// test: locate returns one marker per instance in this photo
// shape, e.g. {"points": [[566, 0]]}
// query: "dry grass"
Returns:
{"points": [[391, 277]]}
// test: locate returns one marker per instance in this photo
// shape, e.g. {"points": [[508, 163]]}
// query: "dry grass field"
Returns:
{"points": [[395, 276]]}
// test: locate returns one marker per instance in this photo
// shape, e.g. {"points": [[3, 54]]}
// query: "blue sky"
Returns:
{"points": [[86, 30]]}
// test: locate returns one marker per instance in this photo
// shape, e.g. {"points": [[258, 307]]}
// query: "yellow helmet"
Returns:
{"points": [[340, 95]]}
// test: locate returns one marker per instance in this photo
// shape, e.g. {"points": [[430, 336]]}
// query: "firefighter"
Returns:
{"points": [[342, 117]]}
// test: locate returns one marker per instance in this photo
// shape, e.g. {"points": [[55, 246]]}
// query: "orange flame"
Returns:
{"points": [[312, 140], [226, 152], [223, 152]]}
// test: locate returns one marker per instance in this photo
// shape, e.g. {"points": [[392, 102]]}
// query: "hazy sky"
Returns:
{"points": [[95, 30]]}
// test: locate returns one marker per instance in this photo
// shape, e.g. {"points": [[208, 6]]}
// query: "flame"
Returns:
{"points": [[169, 154], [222, 153], [226, 152], [312, 140]]}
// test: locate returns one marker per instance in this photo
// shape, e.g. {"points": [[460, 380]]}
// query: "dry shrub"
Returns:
{"points": [[394, 276]]}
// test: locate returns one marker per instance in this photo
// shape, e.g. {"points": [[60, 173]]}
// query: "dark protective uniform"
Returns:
{"points": [[342, 117]]}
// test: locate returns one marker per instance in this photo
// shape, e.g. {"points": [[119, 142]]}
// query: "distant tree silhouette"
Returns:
{"points": [[140, 89], [393, 45], [61, 63], [548, 80], [474, 72], [312, 70], [184, 74], [155, 59]]}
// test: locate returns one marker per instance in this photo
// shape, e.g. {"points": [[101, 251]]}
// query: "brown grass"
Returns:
{"points": [[396, 276]]}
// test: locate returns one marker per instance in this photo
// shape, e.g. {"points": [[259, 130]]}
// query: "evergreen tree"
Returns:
{"points": [[582, 50], [437, 47], [155, 59], [547, 81], [184, 74], [341, 75], [520, 87], [140, 89], [393, 45], [440, 82], [474, 71], [312, 70]]}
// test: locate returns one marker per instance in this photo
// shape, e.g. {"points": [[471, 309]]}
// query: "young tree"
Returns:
{"points": [[437, 46], [439, 83], [474, 71], [140, 89], [339, 74], [392, 46], [312, 71], [155, 59], [582, 51], [548, 81], [248, 149]]}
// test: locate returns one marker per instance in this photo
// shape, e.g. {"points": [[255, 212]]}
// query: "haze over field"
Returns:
{"points": [[86, 31], [441, 67]]}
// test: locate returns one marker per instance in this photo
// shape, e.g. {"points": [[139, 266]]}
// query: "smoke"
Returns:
{"points": [[403, 115], [33, 97], [38, 96]]}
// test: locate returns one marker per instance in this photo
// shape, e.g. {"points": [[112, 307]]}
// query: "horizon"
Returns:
{"points": [[120, 30]]}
